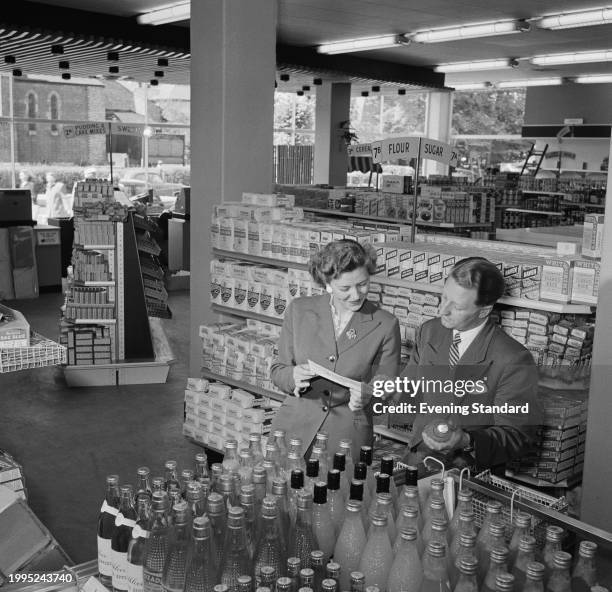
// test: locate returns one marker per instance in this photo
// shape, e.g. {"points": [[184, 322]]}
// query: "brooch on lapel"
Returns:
{"points": [[351, 334]]}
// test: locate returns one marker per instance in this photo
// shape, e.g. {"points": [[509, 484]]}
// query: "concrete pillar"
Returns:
{"points": [[333, 107], [438, 127], [233, 63], [596, 508]]}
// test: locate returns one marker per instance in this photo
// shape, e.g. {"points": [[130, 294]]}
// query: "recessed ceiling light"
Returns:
{"points": [[57, 49], [112, 56], [284, 77], [300, 93], [401, 91], [162, 62], [317, 81], [306, 87], [64, 65]]}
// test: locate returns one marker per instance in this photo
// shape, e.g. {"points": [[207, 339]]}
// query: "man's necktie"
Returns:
{"points": [[453, 354]]}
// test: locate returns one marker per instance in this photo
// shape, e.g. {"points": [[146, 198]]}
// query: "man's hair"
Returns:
{"points": [[340, 256], [480, 274]]}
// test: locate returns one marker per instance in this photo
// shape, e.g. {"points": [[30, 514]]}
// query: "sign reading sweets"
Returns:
{"points": [[122, 129], [359, 149], [85, 129]]}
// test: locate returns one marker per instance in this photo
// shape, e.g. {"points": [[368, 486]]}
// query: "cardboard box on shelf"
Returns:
{"points": [[592, 235]]}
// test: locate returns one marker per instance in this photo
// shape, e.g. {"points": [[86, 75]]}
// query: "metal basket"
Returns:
{"points": [[538, 525], [41, 352]]}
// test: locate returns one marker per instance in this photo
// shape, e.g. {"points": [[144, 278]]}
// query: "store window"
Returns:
{"points": [[31, 110], [54, 111]]}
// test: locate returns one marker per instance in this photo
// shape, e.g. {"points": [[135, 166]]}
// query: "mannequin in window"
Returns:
{"points": [[54, 197]]}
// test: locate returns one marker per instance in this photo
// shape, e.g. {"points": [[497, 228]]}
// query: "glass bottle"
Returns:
{"points": [[195, 499], [267, 575], [322, 442], [468, 579], [170, 476], [377, 555], [173, 579], [493, 513], [296, 485], [255, 448], [245, 468], [174, 493], [320, 455], [142, 481], [157, 484], [230, 462], [296, 447], [225, 486], [260, 481], [216, 470], [156, 546], [247, 503], [279, 491], [496, 539], [294, 462], [534, 581], [186, 478], [356, 494], [466, 550], [464, 504], [272, 473], [218, 521], [235, 560], [302, 539], [106, 529], [435, 574], [584, 576], [333, 570], [293, 571], [269, 548], [200, 575], [200, 472], [124, 523], [437, 511], [366, 456], [272, 452], [335, 500], [351, 542], [312, 474], [317, 564], [384, 507], [525, 556], [406, 573], [245, 583], [522, 527], [322, 525], [439, 533], [408, 518], [504, 582], [357, 581], [465, 525], [386, 468], [436, 493], [329, 585], [136, 548], [340, 465], [498, 564], [222, 588], [410, 498], [345, 446], [560, 579], [552, 544], [283, 584], [382, 486], [307, 578], [360, 474], [281, 444]]}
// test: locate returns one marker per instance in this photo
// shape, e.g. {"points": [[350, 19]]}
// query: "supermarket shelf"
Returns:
{"points": [[259, 259], [152, 372], [542, 212], [385, 432], [247, 386], [92, 321], [96, 247], [581, 204], [523, 302], [247, 314], [338, 213], [576, 171], [535, 482], [95, 284], [535, 192]]}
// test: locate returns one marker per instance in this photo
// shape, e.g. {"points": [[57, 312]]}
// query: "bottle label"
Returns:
{"points": [[135, 578], [105, 566], [139, 533], [119, 562], [152, 581], [109, 509]]}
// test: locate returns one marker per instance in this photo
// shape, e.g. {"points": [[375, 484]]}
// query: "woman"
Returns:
{"points": [[54, 197], [26, 182], [347, 334]]}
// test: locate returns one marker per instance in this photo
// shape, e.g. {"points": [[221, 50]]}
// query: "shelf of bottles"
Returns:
{"points": [[265, 520]]}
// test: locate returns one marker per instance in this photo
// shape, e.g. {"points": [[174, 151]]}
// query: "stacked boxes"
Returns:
{"points": [[94, 200], [242, 351], [89, 232], [89, 266], [592, 235], [86, 344], [216, 412], [11, 475]]}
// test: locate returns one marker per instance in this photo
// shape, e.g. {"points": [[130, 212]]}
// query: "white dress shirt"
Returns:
{"points": [[467, 337]]}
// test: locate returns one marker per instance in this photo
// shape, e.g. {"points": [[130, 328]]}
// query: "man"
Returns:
{"points": [[464, 345]]}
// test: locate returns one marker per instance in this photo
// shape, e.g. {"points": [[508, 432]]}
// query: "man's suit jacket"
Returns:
{"points": [[370, 344], [509, 373]]}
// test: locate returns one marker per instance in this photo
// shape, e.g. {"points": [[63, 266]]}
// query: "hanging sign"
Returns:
{"points": [[122, 129], [395, 148], [84, 129], [359, 149], [434, 150]]}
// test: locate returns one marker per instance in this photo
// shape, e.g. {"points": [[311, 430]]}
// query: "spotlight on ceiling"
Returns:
{"points": [[162, 62], [17, 72], [112, 56], [66, 75], [317, 81], [113, 69], [57, 49], [9, 59], [159, 73], [154, 82], [64, 65], [365, 93], [284, 77]]}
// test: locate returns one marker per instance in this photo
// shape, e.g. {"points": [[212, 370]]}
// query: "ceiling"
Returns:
{"points": [[304, 24]]}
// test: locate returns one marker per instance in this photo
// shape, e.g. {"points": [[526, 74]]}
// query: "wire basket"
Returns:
{"points": [[538, 525], [41, 352]]}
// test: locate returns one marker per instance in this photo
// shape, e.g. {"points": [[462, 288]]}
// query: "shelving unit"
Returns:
{"points": [[247, 386], [541, 212], [245, 314], [222, 254]]}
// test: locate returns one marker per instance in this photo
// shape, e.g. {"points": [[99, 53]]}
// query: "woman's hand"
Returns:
{"points": [[302, 374], [360, 396]]}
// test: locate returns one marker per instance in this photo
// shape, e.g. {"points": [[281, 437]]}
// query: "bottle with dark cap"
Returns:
{"points": [[406, 573], [302, 540], [335, 500], [156, 547], [351, 542], [377, 555], [235, 560], [345, 477], [345, 446], [584, 576], [387, 465], [382, 486], [321, 455], [366, 455], [296, 485], [312, 474], [360, 474], [200, 575], [322, 525]]}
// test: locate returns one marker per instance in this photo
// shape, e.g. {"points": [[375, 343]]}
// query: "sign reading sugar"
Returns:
{"points": [[434, 150]]}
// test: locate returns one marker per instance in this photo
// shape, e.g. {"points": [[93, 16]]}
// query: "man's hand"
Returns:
{"points": [[302, 374], [360, 397], [458, 440]]}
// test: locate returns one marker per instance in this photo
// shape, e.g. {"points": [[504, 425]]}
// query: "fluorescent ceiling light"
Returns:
{"points": [[530, 82], [363, 44], [471, 86], [579, 57], [593, 78], [582, 18], [169, 14], [470, 31], [475, 66]]}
